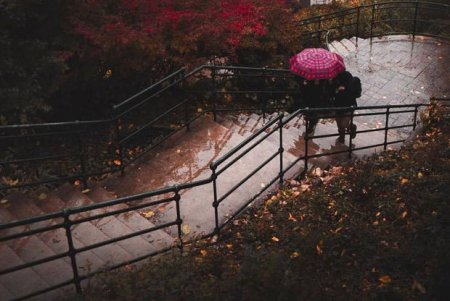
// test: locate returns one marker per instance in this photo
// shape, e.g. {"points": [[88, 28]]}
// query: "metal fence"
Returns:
{"points": [[65, 220], [91, 148], [56, 152]]}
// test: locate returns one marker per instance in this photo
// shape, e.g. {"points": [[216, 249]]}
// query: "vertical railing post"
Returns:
{"points": [[72, 252], [265, 98], [372, 22], [186, 106], [319, 30], [306, 138], [82, 159], [358, 13], [416, 9], [386, 127], [215, 201], [350, 139], [119, 148], [416, 108], [214, 94], [281, 148], [186, 115], [179, 220]]}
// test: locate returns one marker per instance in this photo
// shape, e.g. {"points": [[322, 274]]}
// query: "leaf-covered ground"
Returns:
{"points": [[370, 230]]}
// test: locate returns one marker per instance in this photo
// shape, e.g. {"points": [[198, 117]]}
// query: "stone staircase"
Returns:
{"points": [[183, 158], [344, 47], [205, 142]]}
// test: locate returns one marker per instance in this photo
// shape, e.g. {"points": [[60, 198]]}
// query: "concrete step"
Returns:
{"points": [[196, 203], [122, 224], [22, 207], [31, 248], [56, 239], [18, 283], [96, 231], [246, 123], [5, 217], [5, 294], [136, 222], [349, 45], [331, 48], [339, 48]]}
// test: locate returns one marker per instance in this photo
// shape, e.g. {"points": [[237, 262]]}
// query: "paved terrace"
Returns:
{"points": [[397, 69]]}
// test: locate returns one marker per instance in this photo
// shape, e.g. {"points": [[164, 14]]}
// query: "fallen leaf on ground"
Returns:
{"points": [[186, 229], [4, 201], [86, 191], [42, 196], [385, 279], [148, 214], [295, 254], [276, 239], [318, 248], [291, 218], [10, 182], [418, 286]]}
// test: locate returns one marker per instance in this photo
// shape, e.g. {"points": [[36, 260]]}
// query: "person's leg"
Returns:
{"points": [[312, 122], [342, 123], [351, 128]]}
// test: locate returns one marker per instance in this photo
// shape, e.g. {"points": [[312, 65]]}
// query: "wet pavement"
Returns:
{"points": [[398, 70], [393, 70]]}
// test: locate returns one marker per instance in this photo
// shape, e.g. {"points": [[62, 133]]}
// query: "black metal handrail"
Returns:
{"points": [[78, 215]]}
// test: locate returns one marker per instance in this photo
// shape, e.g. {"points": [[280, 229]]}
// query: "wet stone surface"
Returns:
{"points": [[394, 70], [399, 70]]}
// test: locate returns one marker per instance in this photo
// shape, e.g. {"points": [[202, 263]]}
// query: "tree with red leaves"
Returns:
{"points": [[171, 32]]}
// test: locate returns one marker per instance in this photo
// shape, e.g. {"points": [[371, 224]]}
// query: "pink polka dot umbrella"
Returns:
{"points": [[316, 63]]}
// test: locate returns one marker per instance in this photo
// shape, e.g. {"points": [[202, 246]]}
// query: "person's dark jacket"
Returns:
{"points": [[346, 97]]}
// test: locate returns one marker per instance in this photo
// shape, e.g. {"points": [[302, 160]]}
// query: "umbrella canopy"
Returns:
{"points": [[316, 63]]}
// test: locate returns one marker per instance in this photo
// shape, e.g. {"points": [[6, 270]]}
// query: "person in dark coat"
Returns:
{"points": [[348, 88], [316, 94]]}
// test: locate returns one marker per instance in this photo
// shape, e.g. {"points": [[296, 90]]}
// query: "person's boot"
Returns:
{"points": [[311, 130], [341, 138], [353, 130], [312, 127]]}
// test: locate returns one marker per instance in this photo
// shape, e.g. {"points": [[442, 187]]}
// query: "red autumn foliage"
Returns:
{"points": [[179, 30]]}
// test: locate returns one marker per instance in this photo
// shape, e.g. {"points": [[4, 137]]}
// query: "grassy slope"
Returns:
{"points": [[372, 230]]}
